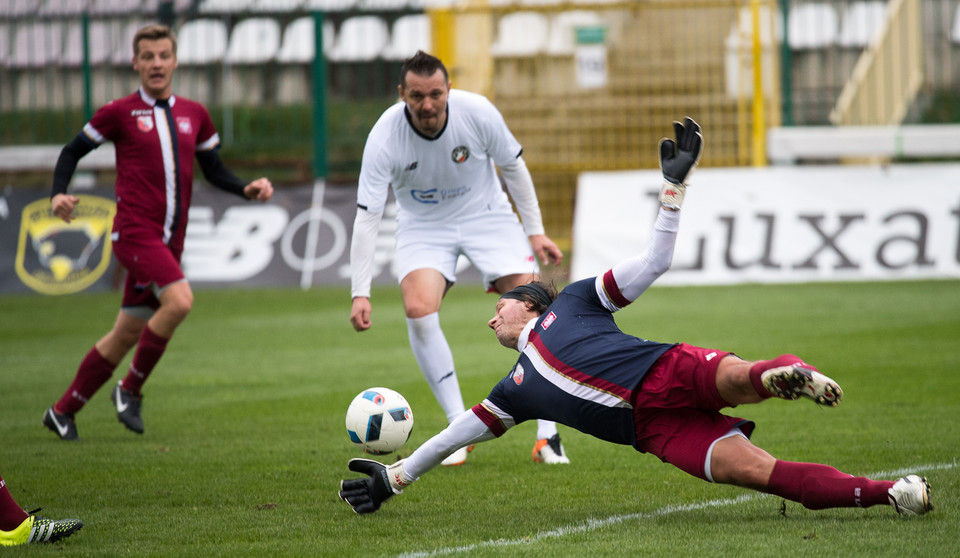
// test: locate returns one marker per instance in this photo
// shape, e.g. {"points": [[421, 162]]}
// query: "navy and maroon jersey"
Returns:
{"points": [[155, 145], [576, 368]]}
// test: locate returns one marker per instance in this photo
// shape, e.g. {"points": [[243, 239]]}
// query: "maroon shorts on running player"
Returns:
{"points": [[676, 408], [148, 262]]}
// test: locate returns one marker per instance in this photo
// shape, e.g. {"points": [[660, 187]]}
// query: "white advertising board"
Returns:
{"points": [[780, 224]]}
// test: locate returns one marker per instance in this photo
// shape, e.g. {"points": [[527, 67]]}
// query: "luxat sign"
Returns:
{"points": [[54, 257]]}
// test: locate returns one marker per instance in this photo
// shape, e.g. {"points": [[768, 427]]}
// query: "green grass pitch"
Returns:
{"points": [[245, 441]]}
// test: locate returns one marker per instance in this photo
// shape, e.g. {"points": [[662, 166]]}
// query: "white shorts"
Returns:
{"points": [[494, 242]]}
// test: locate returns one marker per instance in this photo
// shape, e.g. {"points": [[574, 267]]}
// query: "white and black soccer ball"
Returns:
{"points": [[379, 420]]}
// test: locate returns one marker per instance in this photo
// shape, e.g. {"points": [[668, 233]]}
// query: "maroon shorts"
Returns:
{"points": [[676, 408], [149, 263]]}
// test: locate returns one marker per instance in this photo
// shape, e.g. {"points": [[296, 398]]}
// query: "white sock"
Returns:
{"points": [[546, 429], [436, 362]]}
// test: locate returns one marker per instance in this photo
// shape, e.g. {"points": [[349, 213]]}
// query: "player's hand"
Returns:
{"points": [[260, 189], [546, 250], [360, 313], [677, 159], [62, 206], [367, 494]]}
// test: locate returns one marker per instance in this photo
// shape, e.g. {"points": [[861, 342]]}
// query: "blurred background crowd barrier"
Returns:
{"points": [[585, 86]]}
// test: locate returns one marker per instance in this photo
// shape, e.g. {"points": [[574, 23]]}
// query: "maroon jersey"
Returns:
{"points": [[155, 144]]}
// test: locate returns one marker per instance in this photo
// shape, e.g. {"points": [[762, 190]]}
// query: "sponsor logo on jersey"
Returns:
{"points": [[460, 154], [551, 317], [184, 125], [436, 195], [412, 166], [517, 374], [56, 258], [145, 123]]}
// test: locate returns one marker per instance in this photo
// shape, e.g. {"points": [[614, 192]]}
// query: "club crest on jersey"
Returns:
{"points": [[460, 154], [183, 125], [551, 317], [518, 375], [145, 123]]}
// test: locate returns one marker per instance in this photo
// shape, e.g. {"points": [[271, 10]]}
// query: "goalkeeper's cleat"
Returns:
{"points": [[36, 529], [128, 408], [550, 451], [458, 457], [800, 380], [910, 495], [61, 424]]}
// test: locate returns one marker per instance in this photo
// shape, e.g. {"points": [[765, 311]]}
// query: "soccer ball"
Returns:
{"points": [[379, 420]]}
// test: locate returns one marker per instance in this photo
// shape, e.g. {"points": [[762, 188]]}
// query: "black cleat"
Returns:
{"points": [[61, 424], [128, 408]]}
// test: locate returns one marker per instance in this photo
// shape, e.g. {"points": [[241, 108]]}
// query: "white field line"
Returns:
{"points": [[593, 524]]}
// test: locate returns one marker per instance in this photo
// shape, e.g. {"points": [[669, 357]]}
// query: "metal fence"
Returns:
{"points": [[584, 85]]}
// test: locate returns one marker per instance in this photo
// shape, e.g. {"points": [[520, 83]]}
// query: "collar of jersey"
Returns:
{"points": [[525, 334], [153, 102], [406, 114]]}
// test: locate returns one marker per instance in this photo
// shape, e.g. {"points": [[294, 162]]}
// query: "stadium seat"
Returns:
{"points": [[955, 31], [36, 45], [115, 7], [360, 39], [150, 7], [62, 8], [101, 44], [298, 41], [254, 40], [563, 30], [276, 5], [329, 5], [409, 34], [201, 41], [123, 44], [520, 34], [861, 22], [17, 8], [381, 5], [223, 6], [4, 45], [812, 26]]}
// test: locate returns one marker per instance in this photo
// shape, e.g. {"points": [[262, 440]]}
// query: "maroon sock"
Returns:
{"points": [[94, 371], [759, 368], [821, 486], [149, 350], [11, 515]]}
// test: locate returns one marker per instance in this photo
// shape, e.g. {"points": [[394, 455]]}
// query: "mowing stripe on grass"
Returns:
{"points": [[593, 524]]}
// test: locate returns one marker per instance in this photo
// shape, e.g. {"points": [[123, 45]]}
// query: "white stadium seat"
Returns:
{"points": [[360, 38], [223, 6], [812, 26], [115, 7], [955, 31], [201, 41], [36, 45], [63, 7], [15, 8], [409, 34], [520, 34], [329, 5], [123, 44], [276, 5], [861, 23], [101, 44], [254, 40], [298, 40]]}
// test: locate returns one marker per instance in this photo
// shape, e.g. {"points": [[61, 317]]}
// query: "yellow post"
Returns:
{"points": [[759, 122], [441, 27]]}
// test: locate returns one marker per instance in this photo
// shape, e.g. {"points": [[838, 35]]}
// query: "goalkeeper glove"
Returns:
{"points": [[367, 494], [677, 160]]}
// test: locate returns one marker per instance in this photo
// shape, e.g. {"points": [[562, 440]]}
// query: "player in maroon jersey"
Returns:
{"points": [[156, 135]]}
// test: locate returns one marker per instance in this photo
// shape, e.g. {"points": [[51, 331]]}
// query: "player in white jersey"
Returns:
{"points": [[439, 149]]}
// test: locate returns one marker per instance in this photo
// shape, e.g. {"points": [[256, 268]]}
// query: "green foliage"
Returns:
{"points": [[245, 442]]}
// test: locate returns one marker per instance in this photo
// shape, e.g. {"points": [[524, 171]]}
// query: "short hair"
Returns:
{"points": [[422, 64], [537, 295], [153, 33]]}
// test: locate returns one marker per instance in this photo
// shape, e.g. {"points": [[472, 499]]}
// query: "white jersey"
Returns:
{"points": [[440, 178]]}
